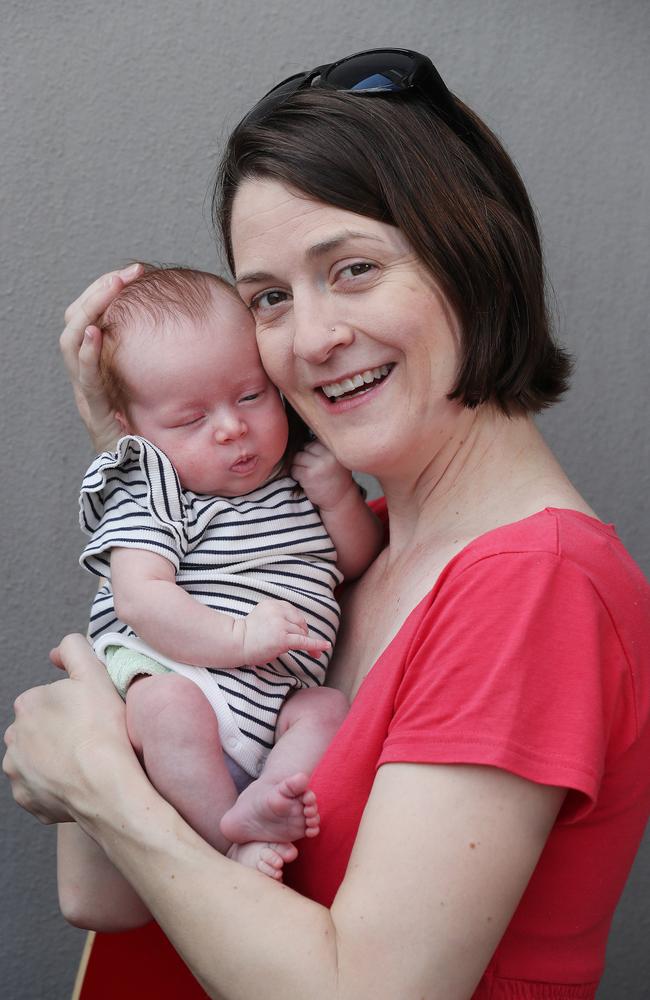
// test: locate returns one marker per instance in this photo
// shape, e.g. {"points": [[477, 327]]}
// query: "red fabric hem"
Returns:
{"points": [[497, 988], [473, 750]]}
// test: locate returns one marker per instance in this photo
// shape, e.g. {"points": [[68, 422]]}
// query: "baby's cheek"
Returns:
{"points": [[276, 356], [192, 468]]}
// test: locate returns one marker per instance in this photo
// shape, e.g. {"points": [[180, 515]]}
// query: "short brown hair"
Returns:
{"points": [[457, 197]]}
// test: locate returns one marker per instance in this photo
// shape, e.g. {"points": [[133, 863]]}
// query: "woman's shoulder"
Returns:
{"points": [[559, 579], [560, 537]]}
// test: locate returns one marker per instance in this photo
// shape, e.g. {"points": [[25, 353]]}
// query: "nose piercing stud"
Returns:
{"points": [[333, 329]]}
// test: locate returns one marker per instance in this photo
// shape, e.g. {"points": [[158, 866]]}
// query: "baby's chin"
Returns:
{"points": [[237, 484]]}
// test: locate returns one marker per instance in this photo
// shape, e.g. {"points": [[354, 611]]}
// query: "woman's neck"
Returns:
{"points": [[492, 471]]}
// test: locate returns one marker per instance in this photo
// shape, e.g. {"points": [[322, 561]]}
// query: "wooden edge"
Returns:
{"points": [[83, 963]]}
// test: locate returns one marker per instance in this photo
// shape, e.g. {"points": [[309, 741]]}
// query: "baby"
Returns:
{"points": [[218, 616]]}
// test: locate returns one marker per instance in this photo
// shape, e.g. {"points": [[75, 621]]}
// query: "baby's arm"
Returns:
{"points": [[356, 532], [148, 599]]}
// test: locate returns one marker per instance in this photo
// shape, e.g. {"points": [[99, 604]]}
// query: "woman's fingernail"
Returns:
{"points": [[130, 271], [88, 332]]}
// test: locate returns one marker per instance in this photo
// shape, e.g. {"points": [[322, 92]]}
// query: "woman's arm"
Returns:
{"points": [[441, 859], [148, 598], [92, 892], [357, 533], [81, 345]]}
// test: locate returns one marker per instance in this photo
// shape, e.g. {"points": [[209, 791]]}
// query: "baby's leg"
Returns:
{"points": [[173, 728], [279, 807]]}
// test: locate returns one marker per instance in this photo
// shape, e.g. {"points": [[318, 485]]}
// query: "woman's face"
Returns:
{"points": [[350, 326]]}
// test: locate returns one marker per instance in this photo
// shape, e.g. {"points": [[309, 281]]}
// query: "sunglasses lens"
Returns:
{"points": [[377, 71], [385, 70]]}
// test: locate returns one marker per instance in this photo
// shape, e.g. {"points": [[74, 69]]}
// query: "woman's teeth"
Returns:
{"points": [[336, 389]]}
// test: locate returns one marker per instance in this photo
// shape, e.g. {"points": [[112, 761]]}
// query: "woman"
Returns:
{"points": [[496, 652]]}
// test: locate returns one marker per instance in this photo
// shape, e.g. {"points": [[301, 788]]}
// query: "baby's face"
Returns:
{"points": [[198, 391]]}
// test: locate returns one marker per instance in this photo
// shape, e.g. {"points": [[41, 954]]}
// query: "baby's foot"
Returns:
{"points": [[269, 859], [276, 811]]}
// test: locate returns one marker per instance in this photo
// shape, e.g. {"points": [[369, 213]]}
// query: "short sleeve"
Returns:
{"points": [[516, 665], [132, 498]]}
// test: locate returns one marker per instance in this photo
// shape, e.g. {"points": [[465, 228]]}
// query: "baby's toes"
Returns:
{"points": [[288, 852], [269, 862]]}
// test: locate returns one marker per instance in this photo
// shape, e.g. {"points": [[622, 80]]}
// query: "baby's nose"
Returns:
{"points": [[229, 429]]}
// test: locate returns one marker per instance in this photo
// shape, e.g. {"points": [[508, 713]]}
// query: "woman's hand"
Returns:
{"points": [[81, 344], [60, 732]]}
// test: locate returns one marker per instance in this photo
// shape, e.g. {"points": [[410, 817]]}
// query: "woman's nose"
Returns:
{"points": [[229, 428], [316, 337]]}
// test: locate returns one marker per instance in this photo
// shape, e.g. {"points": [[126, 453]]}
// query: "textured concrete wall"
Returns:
{"points": [[112, 119]]}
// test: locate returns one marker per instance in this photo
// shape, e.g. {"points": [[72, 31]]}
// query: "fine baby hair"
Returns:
{"points": [[159, 297]]}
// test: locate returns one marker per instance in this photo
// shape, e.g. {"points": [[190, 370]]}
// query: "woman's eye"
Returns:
{"points": [[268, 300], [357, 269]]}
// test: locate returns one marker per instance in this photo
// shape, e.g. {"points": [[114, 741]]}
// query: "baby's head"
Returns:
{"points": [[181, 368]]}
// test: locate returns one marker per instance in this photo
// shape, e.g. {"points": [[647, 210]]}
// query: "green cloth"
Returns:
{"points": [[124, 665]]}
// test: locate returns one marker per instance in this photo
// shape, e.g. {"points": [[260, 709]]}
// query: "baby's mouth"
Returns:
{"points": [[244, 464], [356, 385]]}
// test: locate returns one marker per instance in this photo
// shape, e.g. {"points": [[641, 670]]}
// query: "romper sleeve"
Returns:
{"points": [[516, 664], [132, 498]]}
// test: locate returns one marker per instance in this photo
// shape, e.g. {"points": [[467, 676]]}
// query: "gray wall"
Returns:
{"points": [[113, 115]]}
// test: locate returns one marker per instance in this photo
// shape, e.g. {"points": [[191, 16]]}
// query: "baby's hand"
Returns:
{"points": [[275, 627], [322, 477]]}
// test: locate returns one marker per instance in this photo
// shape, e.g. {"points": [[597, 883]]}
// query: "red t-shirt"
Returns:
{"points": [[531, 653]]}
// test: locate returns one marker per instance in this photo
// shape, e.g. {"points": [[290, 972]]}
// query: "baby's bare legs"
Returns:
{"points": [[279, 807], [173, 728]]}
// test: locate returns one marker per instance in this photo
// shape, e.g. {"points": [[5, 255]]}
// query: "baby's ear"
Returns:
{"points": [[123, 422]]}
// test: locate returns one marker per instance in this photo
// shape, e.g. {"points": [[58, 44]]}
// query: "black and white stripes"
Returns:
{"points": [[229, 553]]}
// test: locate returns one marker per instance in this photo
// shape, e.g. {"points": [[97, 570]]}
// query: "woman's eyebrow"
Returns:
{"points": [[337, 240], [253, 278], [334, 242]]}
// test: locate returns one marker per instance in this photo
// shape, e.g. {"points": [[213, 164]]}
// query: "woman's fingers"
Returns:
{"points": [[55, 658], [81, 345], [74, 654], [57, 729], [28, 791], [88, 359], [96, 297]]}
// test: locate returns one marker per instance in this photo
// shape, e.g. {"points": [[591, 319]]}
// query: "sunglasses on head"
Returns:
{"points": [[375, 71]]}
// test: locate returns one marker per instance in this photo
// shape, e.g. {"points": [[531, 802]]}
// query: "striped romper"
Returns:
{"points": [[229, 553]]}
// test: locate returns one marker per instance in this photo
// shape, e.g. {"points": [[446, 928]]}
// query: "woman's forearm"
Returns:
{"points": [[69, 757], [202, 901], [417, 914], [92, 892]]}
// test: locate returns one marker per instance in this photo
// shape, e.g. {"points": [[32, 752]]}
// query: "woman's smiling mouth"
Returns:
{"points": [[357, 384]]}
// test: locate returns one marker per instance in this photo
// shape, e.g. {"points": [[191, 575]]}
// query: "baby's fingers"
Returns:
{"points": [[308, 643], [286, 615]]}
